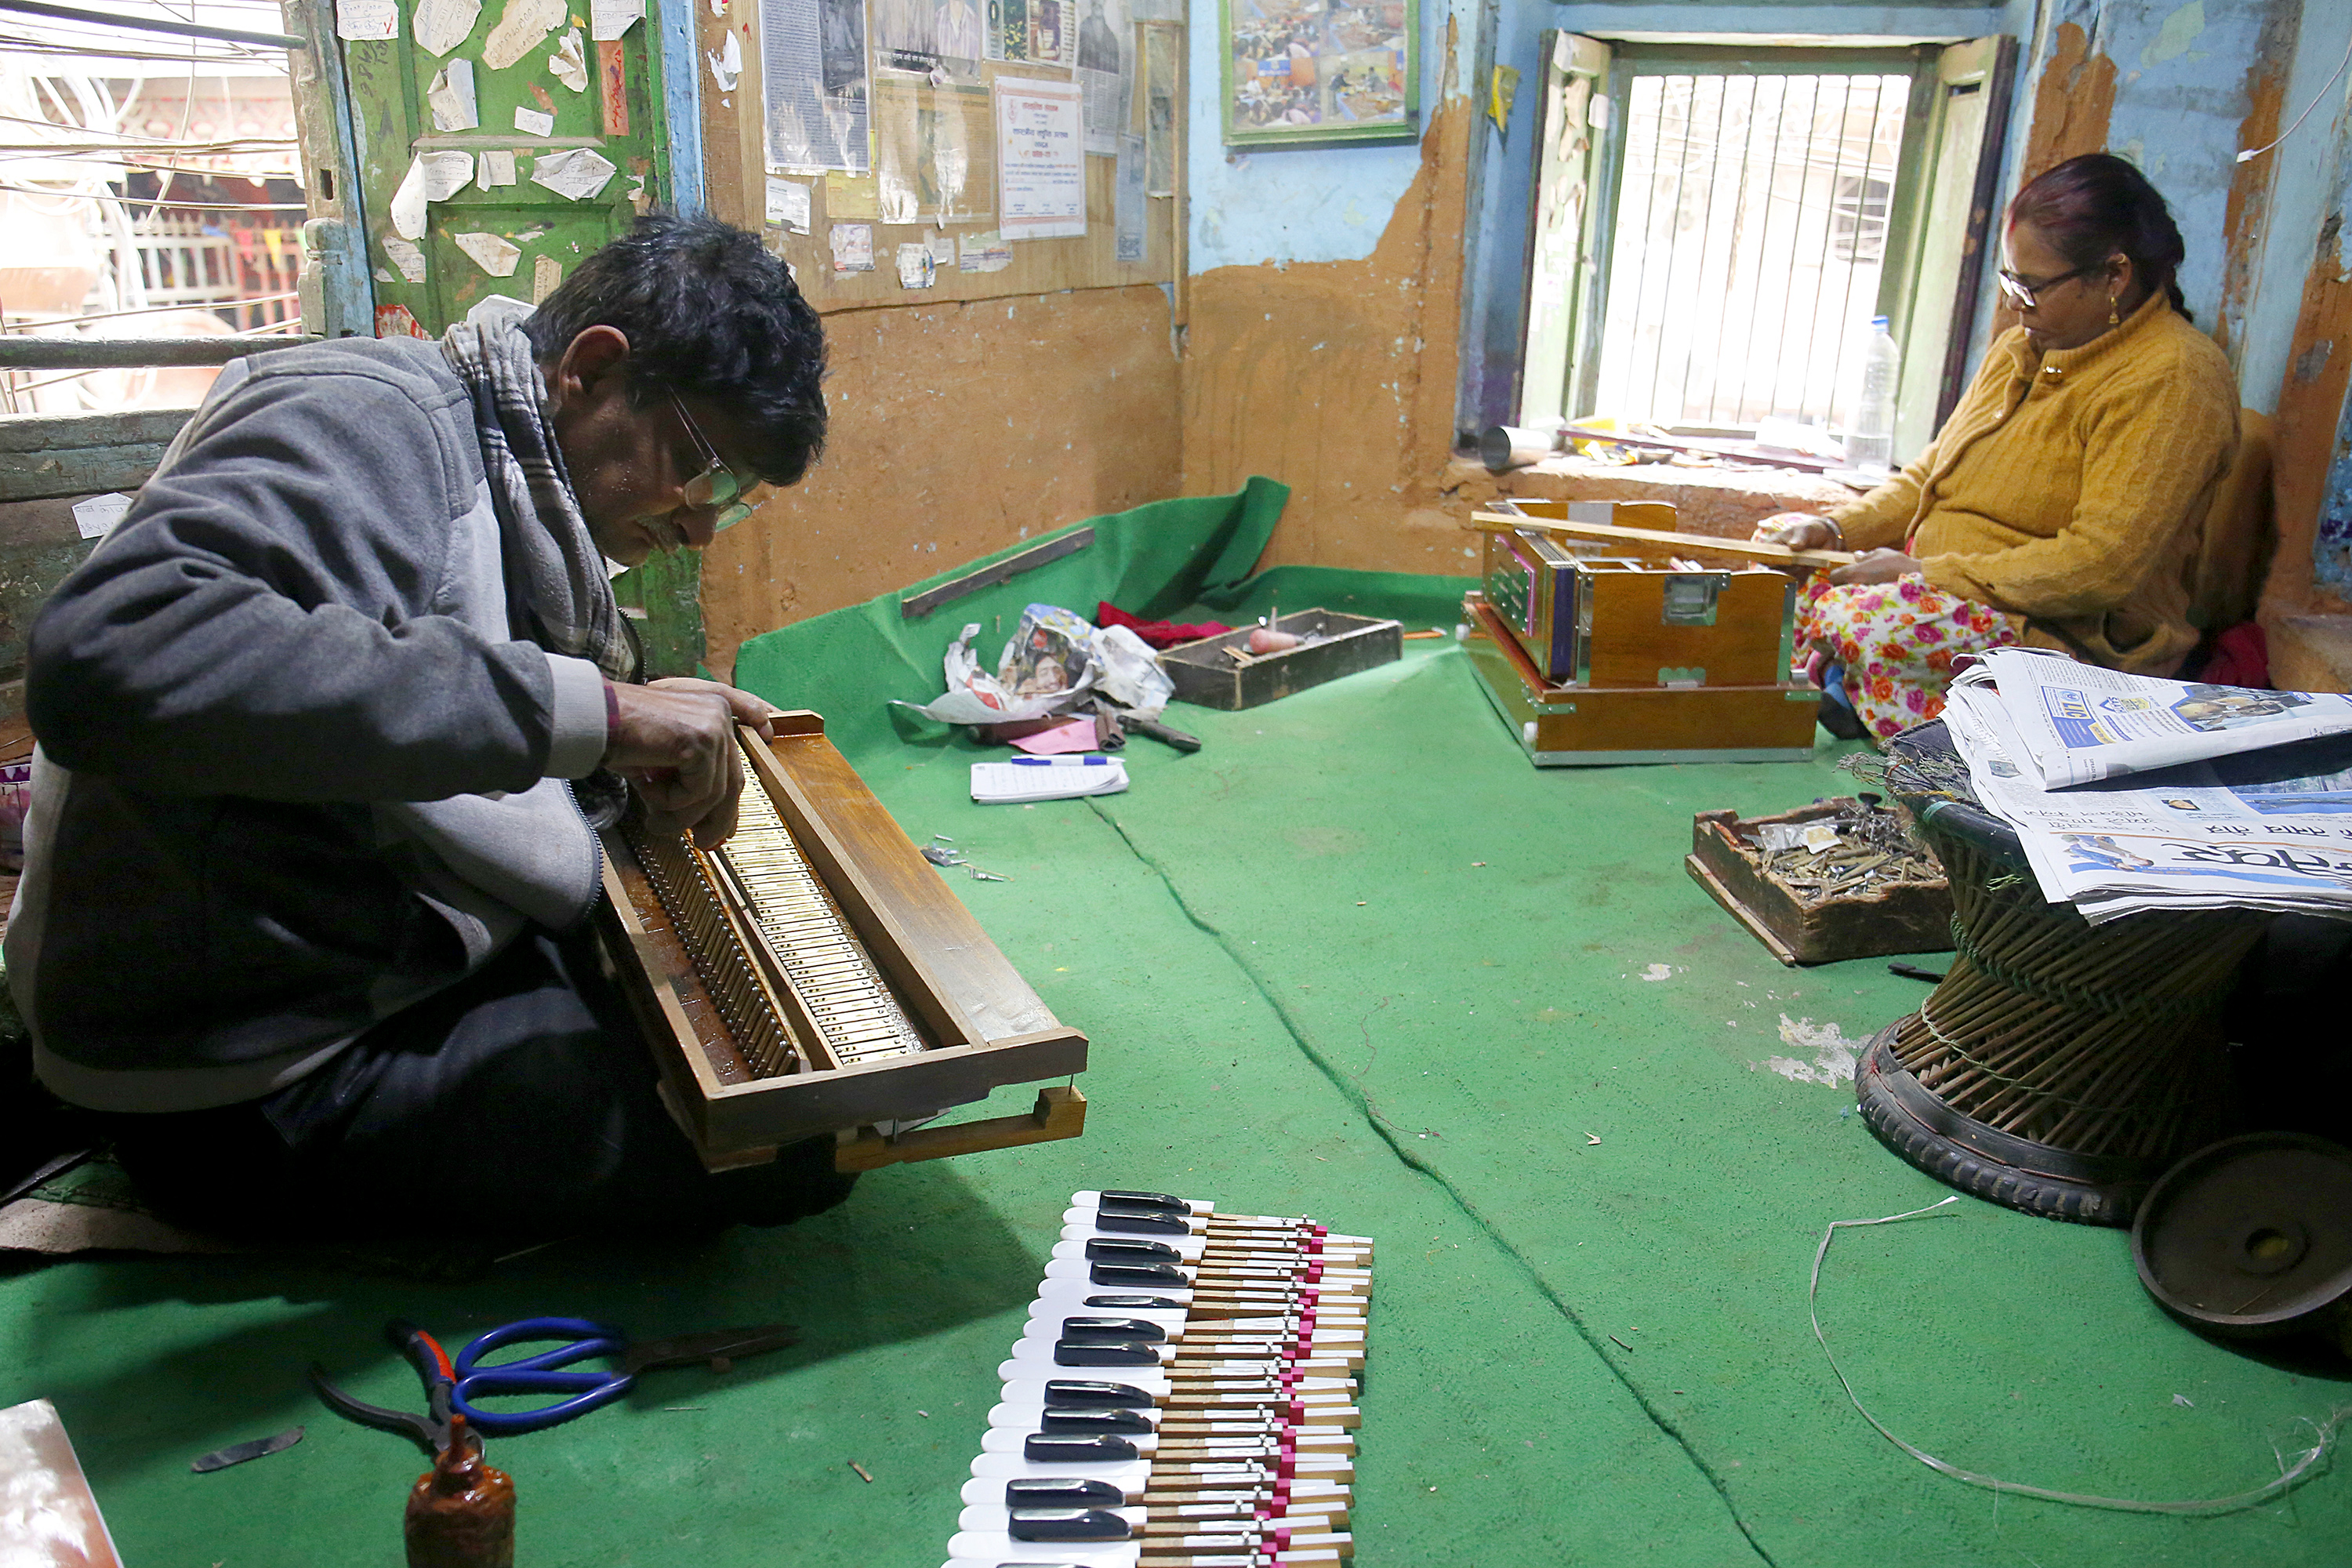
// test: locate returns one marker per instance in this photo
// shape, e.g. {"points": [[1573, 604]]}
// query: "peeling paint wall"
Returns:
{"points": [[957, 429]]}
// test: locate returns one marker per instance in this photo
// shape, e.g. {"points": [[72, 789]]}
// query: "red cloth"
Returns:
{"points": [[1155, 634], [2240, 656]]}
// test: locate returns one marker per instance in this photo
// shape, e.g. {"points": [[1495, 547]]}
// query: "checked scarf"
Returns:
{"points": [[552, 563]]}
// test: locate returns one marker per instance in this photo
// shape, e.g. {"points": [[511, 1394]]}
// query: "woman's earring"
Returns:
{"points": [[2113, 320]]}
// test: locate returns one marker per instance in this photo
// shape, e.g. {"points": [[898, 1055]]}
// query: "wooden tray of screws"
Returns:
{"points": [[1221, 672], [1842, 878]]}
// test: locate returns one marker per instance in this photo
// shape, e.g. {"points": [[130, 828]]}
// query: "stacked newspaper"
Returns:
{"points": [[2133, 793]]}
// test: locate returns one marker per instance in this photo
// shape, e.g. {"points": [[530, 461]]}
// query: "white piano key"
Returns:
{"points": [[988, 1549]]}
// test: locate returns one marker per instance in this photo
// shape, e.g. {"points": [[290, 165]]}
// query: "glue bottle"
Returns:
{"points": [[461, 1513]]}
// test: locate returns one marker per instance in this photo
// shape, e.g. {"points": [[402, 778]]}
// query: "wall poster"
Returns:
{"points": [[813, 63], [1301, 71]]}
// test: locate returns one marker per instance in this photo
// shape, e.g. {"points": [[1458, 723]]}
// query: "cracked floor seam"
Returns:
{"points": [[1357, 1096]]}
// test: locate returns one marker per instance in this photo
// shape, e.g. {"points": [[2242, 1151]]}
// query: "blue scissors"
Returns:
{"points": [[540, 1374], [451, 1387]]}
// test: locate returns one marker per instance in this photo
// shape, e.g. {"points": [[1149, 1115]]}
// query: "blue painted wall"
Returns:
{"points": [[1298, 203], [2308, 182]]}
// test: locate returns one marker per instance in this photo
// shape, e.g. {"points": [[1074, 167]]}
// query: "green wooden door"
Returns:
{"points": [[488, 237], [529, 233]]}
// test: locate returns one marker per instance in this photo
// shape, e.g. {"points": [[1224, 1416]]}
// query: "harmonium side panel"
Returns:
{"points": [[1704, 628]]}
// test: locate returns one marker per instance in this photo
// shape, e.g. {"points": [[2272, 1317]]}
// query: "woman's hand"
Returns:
{"points": [[1876, 567], [1797, 530]]}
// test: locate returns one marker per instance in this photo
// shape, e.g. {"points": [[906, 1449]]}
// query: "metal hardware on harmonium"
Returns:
{"points": [[814, 975], [1183, 1397], [1598, 639]]}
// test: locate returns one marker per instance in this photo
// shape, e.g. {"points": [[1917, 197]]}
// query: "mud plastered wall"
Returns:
{"points": [[957, 429]]}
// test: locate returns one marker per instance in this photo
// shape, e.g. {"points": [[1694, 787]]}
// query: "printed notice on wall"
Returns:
{"points": [[1041, 158], [814, 78], [1129, 207]]}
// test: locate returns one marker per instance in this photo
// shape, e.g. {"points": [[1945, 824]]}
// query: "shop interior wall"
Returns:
{"points": [[1355, 310], [1347, 309]]}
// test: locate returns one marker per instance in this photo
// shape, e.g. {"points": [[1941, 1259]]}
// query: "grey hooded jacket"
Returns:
{"points": [[301, 764]]}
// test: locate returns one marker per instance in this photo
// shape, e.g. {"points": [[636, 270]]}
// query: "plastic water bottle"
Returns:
{"points": [[1870, 445]]}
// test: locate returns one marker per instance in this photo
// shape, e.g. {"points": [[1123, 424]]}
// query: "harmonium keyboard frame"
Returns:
{"points": [[883, 1003]]}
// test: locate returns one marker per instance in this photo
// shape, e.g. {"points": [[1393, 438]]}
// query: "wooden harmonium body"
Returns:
{"points": [[1599, 639], [815, 976]]}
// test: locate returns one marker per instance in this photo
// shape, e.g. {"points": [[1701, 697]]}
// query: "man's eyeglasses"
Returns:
{"points": [[717, 486], [2023, 291]]}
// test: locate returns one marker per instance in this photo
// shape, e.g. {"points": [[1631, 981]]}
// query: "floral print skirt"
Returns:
{"points": [[1896, 641]]}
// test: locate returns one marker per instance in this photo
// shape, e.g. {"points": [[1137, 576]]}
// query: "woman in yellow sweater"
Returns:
{"points": [[2060, 504]]}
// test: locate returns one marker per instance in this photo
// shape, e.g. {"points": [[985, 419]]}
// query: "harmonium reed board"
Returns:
{"points": [[1183, 1396], [815, 976]]}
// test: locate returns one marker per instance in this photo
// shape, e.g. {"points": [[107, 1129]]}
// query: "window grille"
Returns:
{"points": [[1751, 225]]}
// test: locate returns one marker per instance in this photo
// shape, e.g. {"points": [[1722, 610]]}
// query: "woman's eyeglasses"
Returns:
{"points": [[717, 486], [2023, 291]]}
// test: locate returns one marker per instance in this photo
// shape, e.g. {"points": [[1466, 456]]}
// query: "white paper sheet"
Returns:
{"points": [[578, 173], [519, 31], [494, 254], [94, 515], [609, 19], [495, 168], [853, 246], [1041, 160], [446, 174], [726, 64], [983, 253], [788, 204], [916, 268], [408, 257], [546, 274], [451, 97], [568, 64], [367, 19], [440, 25], [531, 123], [431, 177], [1105, 68], [813, 75]]}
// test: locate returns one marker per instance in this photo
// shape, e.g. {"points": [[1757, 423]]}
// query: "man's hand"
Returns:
{"points": [[1876, 567], [1797, 530], [675, 741]]}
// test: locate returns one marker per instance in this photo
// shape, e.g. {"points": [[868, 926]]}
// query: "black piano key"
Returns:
{"points": [[1166, 1275], [1150, 1222], [1115, 1353], [1066, 1524], [1070, 1393], [1119, 1249], [1141, 1329], [1136, 1303], [1066, 1423], [1056, 1491], [1102, 1449], [1168, 1201]]}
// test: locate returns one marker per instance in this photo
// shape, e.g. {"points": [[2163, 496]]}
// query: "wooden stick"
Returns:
{"points": [[1780, 555]]}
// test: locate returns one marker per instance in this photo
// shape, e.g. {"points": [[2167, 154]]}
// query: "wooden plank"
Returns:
{"points": [[71, 469], [40, 432], [20, 352], [1755, 549], [916, 606], [1060, 1112]]}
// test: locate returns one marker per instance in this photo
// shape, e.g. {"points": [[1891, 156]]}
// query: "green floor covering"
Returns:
{"points": [[1537, 1081]]}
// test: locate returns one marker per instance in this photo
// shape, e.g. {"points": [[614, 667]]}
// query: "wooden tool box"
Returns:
{"points": [[1221, 672], [1620, 648]]}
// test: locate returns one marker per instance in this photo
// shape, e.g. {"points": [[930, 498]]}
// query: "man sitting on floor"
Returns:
{"points": [[325, 722]]}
